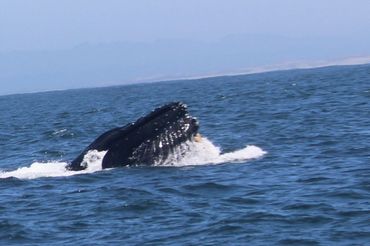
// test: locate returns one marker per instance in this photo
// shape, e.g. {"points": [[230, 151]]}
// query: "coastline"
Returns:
{"points": [[285, 66]]}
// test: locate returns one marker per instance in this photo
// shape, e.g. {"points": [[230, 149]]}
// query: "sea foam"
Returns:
{"points": [[205, 153], [188, 154]]}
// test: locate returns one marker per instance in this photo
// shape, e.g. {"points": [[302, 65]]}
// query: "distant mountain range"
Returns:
{"points": [[89, 65]]}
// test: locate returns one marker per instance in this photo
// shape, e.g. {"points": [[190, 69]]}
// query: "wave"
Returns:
{"points": [[188, 154]]}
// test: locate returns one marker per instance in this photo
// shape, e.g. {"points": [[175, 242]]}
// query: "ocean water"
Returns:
{"points": [[285, 161]]}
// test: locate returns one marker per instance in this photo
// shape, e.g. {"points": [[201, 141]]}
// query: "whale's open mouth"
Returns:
{"points": [[151, 139]]}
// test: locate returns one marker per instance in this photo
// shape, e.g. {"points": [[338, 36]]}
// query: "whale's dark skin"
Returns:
{"points": [[147, 141]]}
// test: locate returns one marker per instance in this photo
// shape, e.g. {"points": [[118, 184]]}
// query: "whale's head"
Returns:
{"points": [[147, 141]]}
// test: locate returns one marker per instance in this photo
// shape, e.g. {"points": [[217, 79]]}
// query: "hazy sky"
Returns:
{"points": [[54, 44], [54, 24]]}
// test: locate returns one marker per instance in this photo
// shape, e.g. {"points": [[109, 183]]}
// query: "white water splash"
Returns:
{"points": [[189, 154], [205, 152], [92, 160]]}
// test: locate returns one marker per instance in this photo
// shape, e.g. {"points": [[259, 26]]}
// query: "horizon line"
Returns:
{"points": [[284, 66]]}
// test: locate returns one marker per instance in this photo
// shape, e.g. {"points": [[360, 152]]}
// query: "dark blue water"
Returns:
{"points": [[312, 187]]}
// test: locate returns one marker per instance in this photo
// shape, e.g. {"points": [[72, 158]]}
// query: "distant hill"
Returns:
{"points": [[90, 65]]}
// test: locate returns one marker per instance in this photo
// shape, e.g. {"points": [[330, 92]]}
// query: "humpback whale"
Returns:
{"points": [[150, 139]]}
